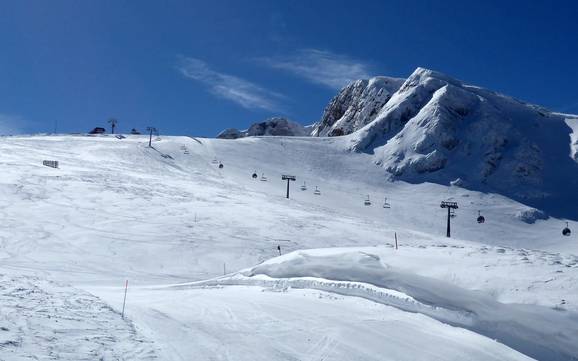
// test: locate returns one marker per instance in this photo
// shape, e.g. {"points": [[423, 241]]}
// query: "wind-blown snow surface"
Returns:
{"points": [[118, 210]]}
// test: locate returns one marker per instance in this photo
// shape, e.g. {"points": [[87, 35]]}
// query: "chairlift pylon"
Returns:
{"points": [[317, 192], [385, 204], [481, 218], [304, 186], [367, 202], [566, 231]]}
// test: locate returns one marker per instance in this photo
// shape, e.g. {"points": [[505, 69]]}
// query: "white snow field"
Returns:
{"points": [[171, 222]]}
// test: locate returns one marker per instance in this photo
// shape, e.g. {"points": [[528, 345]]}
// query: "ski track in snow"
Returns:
{"points": [[44, 320]]}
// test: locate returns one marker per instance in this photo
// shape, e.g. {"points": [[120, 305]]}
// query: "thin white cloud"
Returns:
{"points": [[321, 67], [230, 87], [10, 124]]}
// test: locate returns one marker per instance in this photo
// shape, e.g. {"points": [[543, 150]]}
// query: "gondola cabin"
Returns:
{"points": [[481, 218], [566, 231]]}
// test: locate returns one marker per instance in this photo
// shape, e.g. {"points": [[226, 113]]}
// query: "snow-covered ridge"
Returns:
{"points": [[271, 127], [435, 128]]}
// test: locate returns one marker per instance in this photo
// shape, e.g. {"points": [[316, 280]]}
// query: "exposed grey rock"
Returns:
{"points": [[270, 127], [356, 105]]}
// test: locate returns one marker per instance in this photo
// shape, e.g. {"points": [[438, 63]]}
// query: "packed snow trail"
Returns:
{"points": [[253, 323]]}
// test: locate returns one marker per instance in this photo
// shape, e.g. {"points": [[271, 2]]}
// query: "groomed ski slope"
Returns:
{"points": [[118, 210]]}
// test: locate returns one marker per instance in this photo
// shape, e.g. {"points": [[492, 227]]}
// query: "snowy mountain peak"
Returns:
{"points": [[423, 73], [436, 128]]}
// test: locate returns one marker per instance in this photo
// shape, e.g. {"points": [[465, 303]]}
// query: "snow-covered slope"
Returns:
{"points": [[438, 129], [43, 320], [117, 209], [272, 126], [394, 278], [356, 105]]}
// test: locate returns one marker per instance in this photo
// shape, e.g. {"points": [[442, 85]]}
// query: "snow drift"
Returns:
{"points": [[377, 275]]}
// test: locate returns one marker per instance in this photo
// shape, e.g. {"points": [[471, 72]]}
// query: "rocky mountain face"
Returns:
{"points": [[435, 128], [272, 127], [356, 105]]}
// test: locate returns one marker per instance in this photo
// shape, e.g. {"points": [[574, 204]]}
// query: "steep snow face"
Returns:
{"points": [[356, 105], [271, 127], [435, 128]]}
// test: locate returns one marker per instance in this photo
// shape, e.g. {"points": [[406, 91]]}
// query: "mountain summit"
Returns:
{"points": [[436, 128]]}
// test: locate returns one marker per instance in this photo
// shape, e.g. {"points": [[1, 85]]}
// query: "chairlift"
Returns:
{"points": [[367, 202], [215, 161], [317, 192], [263, 178], [481, 218], [221, 165], [304, 186], [254, 176], [187, 151], [566, 231], [385, 204]]}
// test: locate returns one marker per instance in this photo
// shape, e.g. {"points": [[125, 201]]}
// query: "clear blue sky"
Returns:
{"points": [[197, 67]]}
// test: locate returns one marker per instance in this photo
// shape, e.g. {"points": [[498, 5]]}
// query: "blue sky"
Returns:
{"points": [[197, 67]]}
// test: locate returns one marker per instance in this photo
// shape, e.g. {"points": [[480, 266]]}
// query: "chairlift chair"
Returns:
{"points": [[215, 161], [566, 231], [187, 151], [453, 213], [481, 218], [304, 187], [367, 202], [317, 192], [263, 178], [385, 204]]}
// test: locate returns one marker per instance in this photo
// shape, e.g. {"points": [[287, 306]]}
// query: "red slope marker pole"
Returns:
{"points": [[124, 301]]}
